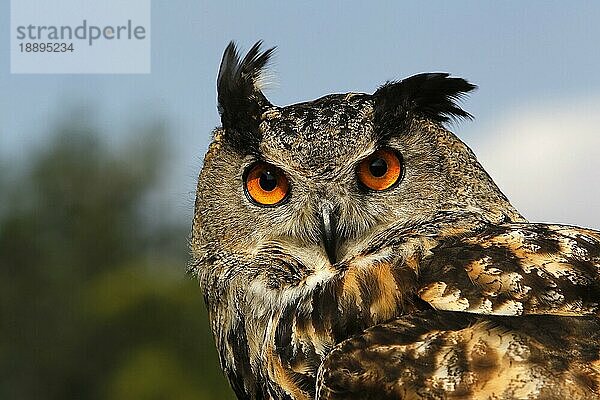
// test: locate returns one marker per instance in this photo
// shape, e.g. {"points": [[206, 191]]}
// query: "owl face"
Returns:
{"points": [[322, 180]]}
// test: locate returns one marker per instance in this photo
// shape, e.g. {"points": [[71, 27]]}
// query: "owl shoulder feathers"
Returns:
{"points": [[513, 315], [447, 355], [515, 269]]}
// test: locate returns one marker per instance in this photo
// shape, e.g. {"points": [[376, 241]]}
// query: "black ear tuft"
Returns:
{"points": [[433, 96], [240, 99]]}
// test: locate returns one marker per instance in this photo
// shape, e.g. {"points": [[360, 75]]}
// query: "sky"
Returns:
{"points": [[537, 109]]}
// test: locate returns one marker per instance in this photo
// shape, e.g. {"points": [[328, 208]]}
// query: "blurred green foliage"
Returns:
{"points": [[94, 300]]}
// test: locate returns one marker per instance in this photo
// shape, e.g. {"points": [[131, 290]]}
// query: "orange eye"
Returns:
{"points": [[266, 184], [381, 170]]}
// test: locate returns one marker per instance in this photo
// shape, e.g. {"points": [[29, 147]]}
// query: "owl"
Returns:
{"points": [[352, 247]]}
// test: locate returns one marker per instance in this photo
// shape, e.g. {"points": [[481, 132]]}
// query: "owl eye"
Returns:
{"points": [[381, 170], [266, 185]]}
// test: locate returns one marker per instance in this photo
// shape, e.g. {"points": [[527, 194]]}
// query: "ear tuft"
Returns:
{"points": [[239, 95], [433, 96]]}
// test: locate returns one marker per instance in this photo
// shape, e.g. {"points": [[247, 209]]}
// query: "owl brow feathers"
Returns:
{"points": [[240, 99], [432, 96]]}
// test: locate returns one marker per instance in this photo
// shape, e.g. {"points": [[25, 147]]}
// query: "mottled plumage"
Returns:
{"points": [[430, 287]]}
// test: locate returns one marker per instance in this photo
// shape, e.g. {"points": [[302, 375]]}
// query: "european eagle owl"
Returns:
{"points": [[351, 247]]}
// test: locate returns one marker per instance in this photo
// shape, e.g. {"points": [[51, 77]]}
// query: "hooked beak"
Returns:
{"points": [[328, 231]]}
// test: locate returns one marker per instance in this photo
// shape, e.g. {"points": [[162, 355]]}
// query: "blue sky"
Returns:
{"points": [[536, 64]]}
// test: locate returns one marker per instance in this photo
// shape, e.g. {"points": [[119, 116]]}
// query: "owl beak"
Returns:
{"points": [[328, 231]]}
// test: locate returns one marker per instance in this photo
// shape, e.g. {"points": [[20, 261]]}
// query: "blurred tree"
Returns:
{"points": [[87, 308]]}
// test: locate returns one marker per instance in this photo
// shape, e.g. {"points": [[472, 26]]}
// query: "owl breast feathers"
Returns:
{"points": [[353, 248]]}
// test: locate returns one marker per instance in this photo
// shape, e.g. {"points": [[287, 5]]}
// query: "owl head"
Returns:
{"points": [[320, 179], [289, 195]]}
